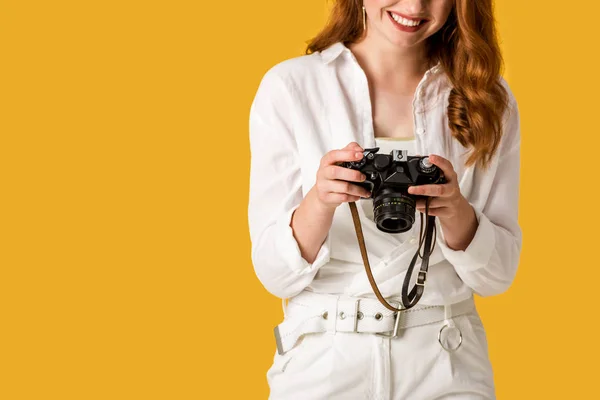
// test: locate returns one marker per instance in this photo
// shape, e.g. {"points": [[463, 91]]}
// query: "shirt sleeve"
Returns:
{"points": [[276, 191], [489, 264]]}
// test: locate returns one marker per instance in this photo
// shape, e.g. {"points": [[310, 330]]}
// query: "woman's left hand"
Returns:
{"points": [[446, 201]]}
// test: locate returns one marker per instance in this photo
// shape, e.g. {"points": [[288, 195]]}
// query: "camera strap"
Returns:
{"points": [[409, 300]]}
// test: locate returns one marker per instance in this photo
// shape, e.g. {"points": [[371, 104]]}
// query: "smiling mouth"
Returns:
{"points": [[406, 21]]}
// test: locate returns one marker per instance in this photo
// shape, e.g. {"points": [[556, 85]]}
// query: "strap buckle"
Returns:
{"points": [[394, 332], [421, 278], [356, 304], [278, 341]]}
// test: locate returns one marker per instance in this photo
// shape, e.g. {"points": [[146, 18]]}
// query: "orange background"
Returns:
{"points": [[125, 267]]}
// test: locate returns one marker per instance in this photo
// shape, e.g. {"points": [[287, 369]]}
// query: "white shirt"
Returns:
{"points": [[308, 105]]}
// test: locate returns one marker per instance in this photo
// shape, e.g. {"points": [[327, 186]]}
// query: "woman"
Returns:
{"points": [[415, 75]]}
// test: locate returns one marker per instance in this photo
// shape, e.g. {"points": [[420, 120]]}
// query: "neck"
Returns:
{"points": [[397, 66]]}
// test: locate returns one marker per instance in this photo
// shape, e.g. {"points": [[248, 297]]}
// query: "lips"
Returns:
{"points": [[399, 22], [408, 16], [402, 18]]}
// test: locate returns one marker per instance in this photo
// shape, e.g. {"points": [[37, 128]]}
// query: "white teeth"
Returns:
{"points": [[404, 21]]}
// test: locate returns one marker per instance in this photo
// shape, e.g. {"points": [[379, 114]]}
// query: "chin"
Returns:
{"points": [[403, 42]]}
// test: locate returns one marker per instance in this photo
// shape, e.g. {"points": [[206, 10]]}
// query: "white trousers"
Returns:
{"points": [[412, 366]]}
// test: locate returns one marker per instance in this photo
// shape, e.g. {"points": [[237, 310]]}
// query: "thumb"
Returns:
{"points": [[354, 146]]}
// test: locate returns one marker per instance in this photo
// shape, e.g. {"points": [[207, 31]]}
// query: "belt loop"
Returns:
{"points": [[449, 323], [448, 314]]}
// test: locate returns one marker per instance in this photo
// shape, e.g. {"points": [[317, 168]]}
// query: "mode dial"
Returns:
{"points": [[426, 166]]}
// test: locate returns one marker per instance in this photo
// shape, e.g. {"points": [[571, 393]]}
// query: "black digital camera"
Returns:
{"points": [[388, 178]]}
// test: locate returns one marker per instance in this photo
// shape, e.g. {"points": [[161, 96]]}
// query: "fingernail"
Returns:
{"points": [[358, 155], [363, 177]]}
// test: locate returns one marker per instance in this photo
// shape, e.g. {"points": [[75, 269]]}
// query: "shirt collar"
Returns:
{"points": [[332, 52]]}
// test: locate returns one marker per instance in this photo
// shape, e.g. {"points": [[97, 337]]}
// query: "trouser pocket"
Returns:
{"points": [[475, 331], [309, 350], [280, 361]]}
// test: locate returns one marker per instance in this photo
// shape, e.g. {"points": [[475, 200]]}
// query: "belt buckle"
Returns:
{"points": [[278, 341], [356, 303], [394, 333]]}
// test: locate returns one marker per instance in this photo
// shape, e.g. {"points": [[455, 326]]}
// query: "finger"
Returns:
{"points": [[434, 202], [341, 173], [445, 165], [435, 190], [347, 188], [443, 212], [336, 156], [422, 208], [342, 198], [353, 145]]}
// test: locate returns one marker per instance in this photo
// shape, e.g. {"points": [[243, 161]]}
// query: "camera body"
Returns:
{"points": [[388, 178]]}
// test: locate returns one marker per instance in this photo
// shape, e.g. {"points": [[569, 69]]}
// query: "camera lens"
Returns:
{"points": [[394, 211]]}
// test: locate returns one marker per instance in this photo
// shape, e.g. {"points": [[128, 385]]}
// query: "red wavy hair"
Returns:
{"points": [[467, 49]]}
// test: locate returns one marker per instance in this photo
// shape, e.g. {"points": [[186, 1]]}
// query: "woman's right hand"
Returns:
{"points": [[333, 183]]}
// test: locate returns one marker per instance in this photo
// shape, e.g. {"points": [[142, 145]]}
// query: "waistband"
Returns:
{"points": [[311, 312]]}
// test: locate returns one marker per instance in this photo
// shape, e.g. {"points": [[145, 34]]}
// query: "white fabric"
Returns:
{"points": [[364, 366], [311, 104], [320, 312]]}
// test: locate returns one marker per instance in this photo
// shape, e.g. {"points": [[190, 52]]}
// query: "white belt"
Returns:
{"points": [[320, 312]]}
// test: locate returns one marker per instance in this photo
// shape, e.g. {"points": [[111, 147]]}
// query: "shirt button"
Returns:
{"points": [[413, 240], [421, 130]]}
